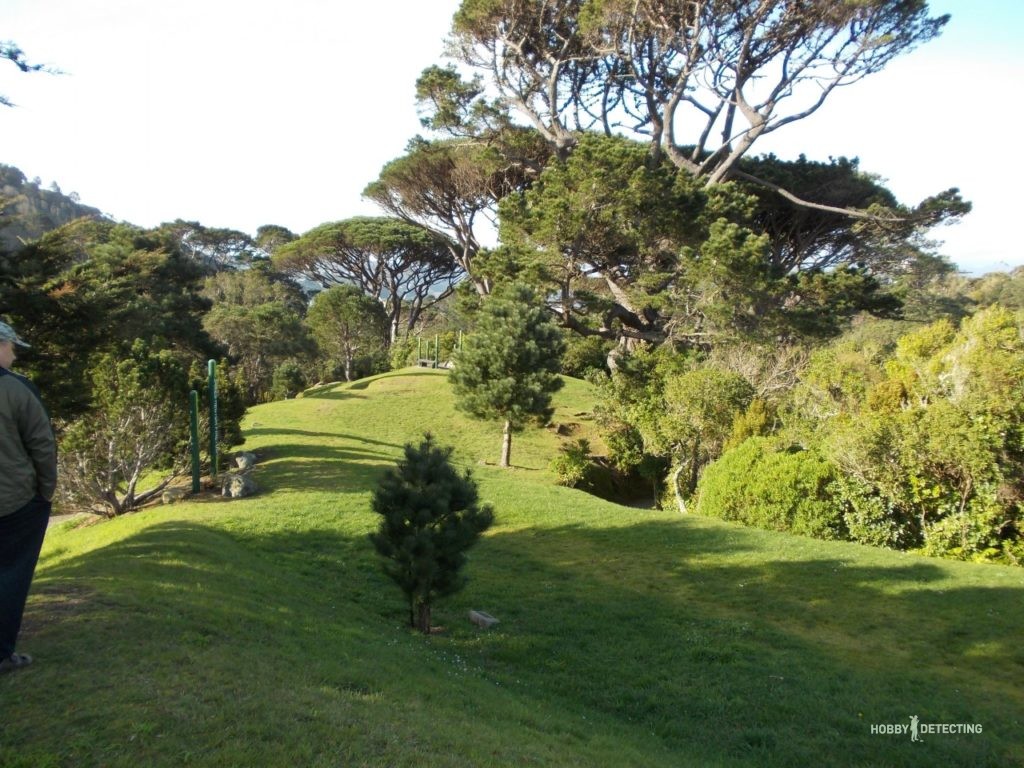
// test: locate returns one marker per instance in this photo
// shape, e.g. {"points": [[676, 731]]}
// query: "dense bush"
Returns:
{"points": [[573, 463], [759, 483], [584, 355], [402, 352], [289, 379], [933, 449]]}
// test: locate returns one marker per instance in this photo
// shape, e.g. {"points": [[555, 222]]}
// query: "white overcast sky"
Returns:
{"points": [[238, 113]]}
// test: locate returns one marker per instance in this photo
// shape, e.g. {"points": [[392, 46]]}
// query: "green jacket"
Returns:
{"points": [[28, 451]]}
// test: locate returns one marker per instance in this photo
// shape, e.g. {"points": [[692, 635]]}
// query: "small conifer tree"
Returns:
{"points": [[508, 369], [430, 516]]}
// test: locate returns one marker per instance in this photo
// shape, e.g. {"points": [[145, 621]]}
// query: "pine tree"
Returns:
{"points": [[430, 516], [508, 369]]}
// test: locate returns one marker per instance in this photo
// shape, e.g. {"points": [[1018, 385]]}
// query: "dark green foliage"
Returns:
{"points": [[350, 328], [452, 105], [585, 355], [257, 316], [690, 264], [430, 515], [508, 368], [761, 484], [91, 287], [288, 380]]}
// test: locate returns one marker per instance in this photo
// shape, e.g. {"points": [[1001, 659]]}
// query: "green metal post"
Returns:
{"points": [[193, 426], [212, 391], [419, 349], [437, 352]]}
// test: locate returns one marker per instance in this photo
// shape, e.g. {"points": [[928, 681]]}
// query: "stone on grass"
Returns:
{"points": [[172, 495], [481, 619], [245, 460], [237, 486]]}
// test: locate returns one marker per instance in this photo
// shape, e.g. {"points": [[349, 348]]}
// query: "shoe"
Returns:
{"points": [[14, 662]]}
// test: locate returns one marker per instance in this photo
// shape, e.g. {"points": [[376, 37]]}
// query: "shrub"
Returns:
{"points": [[430, 516], [402, 353], [584, 355], [288, 380], [572, 465], [761, 485]]}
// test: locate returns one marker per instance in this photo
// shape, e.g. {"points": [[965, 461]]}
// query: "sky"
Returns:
{"points": [[240, 113]]}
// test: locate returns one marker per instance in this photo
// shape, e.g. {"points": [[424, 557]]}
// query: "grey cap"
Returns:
{"points": [[7, 334]]}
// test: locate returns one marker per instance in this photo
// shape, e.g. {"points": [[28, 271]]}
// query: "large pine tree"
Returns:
{"points": [[508, 369], [430, 516]]}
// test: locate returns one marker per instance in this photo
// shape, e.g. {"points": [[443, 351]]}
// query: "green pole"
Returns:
{"points": [[193, 425], [419, 349], [460, 341], [212, 391], [437, 348]]}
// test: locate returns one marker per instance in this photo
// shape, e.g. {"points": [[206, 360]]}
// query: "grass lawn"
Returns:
{"points": [[260, 632]]}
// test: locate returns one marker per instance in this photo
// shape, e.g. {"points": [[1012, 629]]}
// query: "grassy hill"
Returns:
{"points": [[261, 632]]}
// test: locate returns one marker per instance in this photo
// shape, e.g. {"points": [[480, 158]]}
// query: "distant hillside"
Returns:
{"points": [[28, 211]]}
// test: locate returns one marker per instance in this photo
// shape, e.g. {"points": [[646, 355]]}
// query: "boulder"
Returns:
{"points": [[245, 460], [238, 486], [172, 495]]}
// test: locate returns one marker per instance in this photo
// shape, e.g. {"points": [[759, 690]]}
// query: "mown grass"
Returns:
{"points": [[261, 632]]}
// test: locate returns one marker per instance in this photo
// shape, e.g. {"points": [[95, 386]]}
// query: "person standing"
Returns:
{"points": [[28, 479]]}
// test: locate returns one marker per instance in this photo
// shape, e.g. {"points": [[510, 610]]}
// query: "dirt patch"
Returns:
{"points": [[566, 429]]}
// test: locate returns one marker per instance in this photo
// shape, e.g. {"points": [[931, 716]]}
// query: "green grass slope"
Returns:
{"points": [[261, 632]]}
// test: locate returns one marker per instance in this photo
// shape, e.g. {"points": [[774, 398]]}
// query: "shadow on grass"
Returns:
{"points": [[753, 661], [186, 644], [304, 467], [692, 639], [364, 383], [331, 393], [261, 431]]}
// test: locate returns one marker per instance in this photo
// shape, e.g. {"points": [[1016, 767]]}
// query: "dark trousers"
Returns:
{"points": [[21, 538]]}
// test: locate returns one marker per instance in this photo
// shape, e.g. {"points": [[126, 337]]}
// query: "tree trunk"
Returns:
{"points": [[691, 486], [680, 501], [348, 367], [424, 618], [506, 444]]}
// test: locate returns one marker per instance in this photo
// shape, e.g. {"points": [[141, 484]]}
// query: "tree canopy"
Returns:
{"points": [[451, 187], [260, 322], [348, 325], [634, 252], [405, 267], [703, 80]]}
